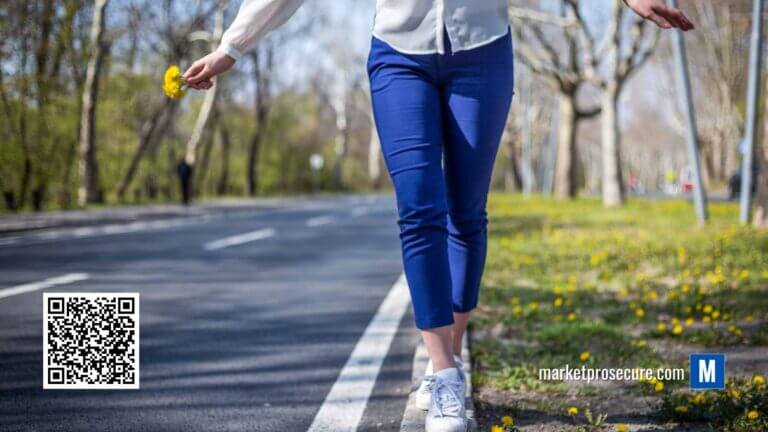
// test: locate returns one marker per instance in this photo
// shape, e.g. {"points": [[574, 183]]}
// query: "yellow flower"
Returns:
{"points": [[685, 288], [659, 387], [698, 399], [533, 305], [571, 316], [585, 356], [661, 326], [573, 410], [689, 322], [558, 302], [622, 427], [496, 428], [715, 315], [706, 319], [507, 421], [753, 415], [707, 309], [677, 329], [735, 394], [173, 83], [759, 380], [681, 409], [640, 312]]}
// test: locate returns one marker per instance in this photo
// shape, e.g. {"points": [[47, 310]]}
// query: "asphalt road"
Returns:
{"points": [[249, 336]]}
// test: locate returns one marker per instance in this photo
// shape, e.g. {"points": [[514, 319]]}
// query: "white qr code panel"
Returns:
{"points": [[90, 340]]}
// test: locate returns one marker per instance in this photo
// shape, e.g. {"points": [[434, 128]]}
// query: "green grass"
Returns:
{"points": [[632, 286]]}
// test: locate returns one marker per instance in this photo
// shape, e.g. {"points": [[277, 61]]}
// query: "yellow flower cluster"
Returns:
{"points": [[173, 83], [506, 423]]}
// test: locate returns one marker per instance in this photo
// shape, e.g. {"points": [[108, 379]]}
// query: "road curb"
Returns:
{"points": [[413, 418]]}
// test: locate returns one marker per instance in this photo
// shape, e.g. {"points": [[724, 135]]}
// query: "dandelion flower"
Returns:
{"points": [[622, 427], [571, 316], [661, 326], [558, 302], [707, 309], [715, 315], [735, 393], [759, 380], [573, 410], [753, 415], [507, 421], [497, 428], [689, 322], [173, 83], [682, 409], [640, 312], [677, 329], [585, 356], [698, 399], [659, 387]]}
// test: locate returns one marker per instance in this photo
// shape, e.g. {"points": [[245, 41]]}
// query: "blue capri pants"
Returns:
{"points": [[440, 118]]}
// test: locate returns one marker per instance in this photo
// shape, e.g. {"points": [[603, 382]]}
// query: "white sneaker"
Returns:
{"points": [[447, 412], [424, 393]]}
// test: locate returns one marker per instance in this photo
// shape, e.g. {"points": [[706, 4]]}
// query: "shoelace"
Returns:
{"points": [[429, 382], [446, 397]]}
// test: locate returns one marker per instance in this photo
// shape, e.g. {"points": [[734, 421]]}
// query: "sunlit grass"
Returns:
{"points": [[568, 278]]}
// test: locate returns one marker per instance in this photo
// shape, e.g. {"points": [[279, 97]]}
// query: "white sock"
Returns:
{"points": [[451, 374], [456, 358]]}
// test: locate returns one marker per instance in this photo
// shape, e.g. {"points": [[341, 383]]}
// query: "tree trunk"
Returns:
{"points": [[513, 181], [202, 119], [262, 79], [565, 167], [89, 192], [222, 187], [760, 214], [374, 158], [147, 137], [613, 190]]}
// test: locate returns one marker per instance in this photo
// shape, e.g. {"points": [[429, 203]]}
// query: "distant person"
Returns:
{"points": [[441, 86], [184, 171]]}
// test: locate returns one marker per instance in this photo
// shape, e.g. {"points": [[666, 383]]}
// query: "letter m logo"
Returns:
{"points": [[707, 371]]}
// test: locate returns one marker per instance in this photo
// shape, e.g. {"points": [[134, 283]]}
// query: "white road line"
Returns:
{"points": [[345, 403], [240, 239], [105, 230], [359, 211], [43, 284], [320, 220]]}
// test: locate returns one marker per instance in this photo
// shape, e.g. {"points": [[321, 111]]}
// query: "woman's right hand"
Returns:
{"points": [[199, 75]]}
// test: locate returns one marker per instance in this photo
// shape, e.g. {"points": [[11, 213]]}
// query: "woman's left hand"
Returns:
{"points": [[663, 15]]}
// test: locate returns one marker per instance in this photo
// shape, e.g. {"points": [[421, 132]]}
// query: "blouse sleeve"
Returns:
{"points": [[254, 20]]}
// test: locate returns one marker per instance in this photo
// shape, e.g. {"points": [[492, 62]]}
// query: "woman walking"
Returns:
{"points": [[441, 86]]}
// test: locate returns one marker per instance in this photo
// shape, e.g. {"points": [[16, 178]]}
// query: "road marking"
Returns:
{"points": [[345, 403], [240, 239], [359, 211], [320, 220], [43, 284], [105, 230]]}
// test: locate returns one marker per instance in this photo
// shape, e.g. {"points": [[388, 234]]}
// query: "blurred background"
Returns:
{"points": [[84, 121]]}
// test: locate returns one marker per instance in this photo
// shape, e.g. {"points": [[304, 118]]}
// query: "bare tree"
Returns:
{"points": [[625, 52], [89, 191], [561, 68]]}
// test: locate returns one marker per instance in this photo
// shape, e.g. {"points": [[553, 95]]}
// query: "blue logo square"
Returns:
{"points": [[707, 371]]}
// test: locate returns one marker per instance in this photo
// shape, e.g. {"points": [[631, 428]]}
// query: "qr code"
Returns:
{"points": [[90, 340]]}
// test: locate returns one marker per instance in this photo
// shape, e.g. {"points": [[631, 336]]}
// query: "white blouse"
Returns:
{"points": [[409, 26]]}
